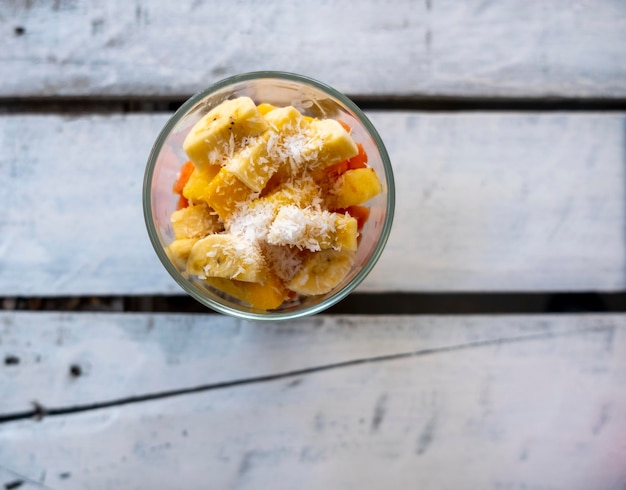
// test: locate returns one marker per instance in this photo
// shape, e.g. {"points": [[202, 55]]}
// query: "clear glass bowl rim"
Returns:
{"points": [[271, 315]]}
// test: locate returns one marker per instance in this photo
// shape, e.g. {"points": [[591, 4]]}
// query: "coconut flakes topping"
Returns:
{"points": [[252, 220], [302, 228]]}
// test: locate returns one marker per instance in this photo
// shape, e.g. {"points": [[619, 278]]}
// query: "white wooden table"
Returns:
{"points": [[501, 200]]}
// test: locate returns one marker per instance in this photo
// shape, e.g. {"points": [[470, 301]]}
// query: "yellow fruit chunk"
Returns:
{"points": [[264, 108], [265, 296], [354, 187], [225, 192], [329, 143], [253, 218], [322, 272], [302, 192], [286, 120], [220, 132], [255, 163], [346, 233], [194, 222], [283, 261], [252, 165], [196, 187], [178, 251], [312, 230], [228, 256]]}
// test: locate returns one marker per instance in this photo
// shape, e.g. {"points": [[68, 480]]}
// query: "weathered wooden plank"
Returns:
{"points": [[506, 202], [61, 360], [542, 413], [436, 47], [13, 480], [485, 202]]}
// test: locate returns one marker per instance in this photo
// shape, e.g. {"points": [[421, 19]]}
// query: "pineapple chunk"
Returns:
{"points": [[329, 143], [286, 120], [225, 192], [354, 187], [302, 192], [264, 108], [199, 180], [346, 229], [194, 221]]}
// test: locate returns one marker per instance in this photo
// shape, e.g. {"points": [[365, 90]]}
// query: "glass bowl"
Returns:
{"points": [[311, 98]]}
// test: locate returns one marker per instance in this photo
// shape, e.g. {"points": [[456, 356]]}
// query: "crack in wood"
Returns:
{"points": [[19, 479], [40, 411]]}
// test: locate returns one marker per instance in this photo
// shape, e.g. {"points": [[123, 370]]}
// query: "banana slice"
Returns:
{"points": [[227, 256], [321, 272], [199, 180], [178, 251], [214, 139]]}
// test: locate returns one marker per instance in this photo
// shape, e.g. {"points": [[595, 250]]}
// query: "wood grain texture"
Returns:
{"points": [[403, 47], [64, 360], [485, 202], [527, 411]]}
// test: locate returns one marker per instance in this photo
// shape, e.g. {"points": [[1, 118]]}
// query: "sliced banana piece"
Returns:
{"points": [[321, 272], [214, 139], [178, 251], [227, 256]]}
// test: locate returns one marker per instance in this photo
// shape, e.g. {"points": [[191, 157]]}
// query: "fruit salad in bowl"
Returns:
{"points": [[268, 196]]}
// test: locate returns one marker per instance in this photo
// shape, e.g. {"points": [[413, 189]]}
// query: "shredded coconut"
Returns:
{"points": [[285, 261], [252, 220], [302, 228]]}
